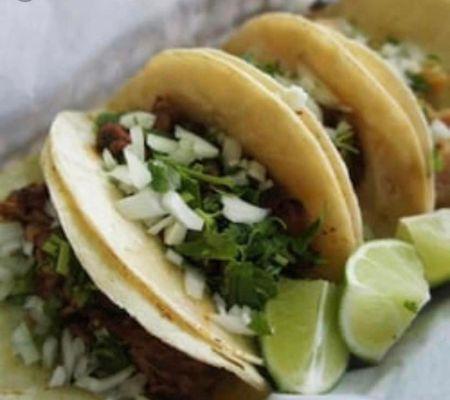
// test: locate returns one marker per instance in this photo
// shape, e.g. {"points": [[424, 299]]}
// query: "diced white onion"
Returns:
{"points": [[11, 237], [68, 353], [142, 205], [138, 118], [121, 174], [174, 257], [133, 387], [140, 175], [137, 145], [108, 160], [295, 97], [6, 283], [96, 385], [184, 154], [175, 234], [81, 367], [59, 377], [24, 345], [235, 320], [161, 144], [194, 283], [163, 223], [27, 248], [239, 211], [202, 148], [257, 171], [440, 130], [175, 204], [266, 185], [49, 351], [231, 151], [35, 307], [240, 178]]}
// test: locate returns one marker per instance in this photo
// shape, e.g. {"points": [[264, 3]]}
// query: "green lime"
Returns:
{"points": [[384, 291], [430, 235], [305, 353]]}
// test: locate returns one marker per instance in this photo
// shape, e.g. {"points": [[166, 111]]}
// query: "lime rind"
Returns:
{"points": [[306, 353], [430, 235], [385, 289]]}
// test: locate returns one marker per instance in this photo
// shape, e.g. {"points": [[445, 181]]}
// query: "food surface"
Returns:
{"points": [[235, 222]]}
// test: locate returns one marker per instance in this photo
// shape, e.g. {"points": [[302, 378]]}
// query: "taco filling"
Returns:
{"points": [[70, 327], [305, 89], [428, 79], [217, 213]]}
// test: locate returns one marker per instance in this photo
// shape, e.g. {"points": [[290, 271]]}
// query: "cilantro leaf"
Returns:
{"points": [[246, 285], [106, 117], [271, 68], [437, 161], [259, 324], [418, 83], [210, 245]]}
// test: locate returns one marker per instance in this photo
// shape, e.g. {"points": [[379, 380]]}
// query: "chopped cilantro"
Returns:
{"points": [[259, 324], [344, 140], [164, 177], [411, 305], [246, 285], [271, 68], [418, 83], [105, 118], [62, 263], [110, 353], [437, 161]]}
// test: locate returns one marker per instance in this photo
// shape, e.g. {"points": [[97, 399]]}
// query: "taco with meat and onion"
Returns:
{"points": [[386, 158], [405, 46], [71, 328], [200, 188]]}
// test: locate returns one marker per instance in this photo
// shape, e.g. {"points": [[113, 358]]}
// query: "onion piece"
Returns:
{"points": [[108, 160], [174, 257], [257, 171], [194, 283], [295, 97], [137, 145], [175, 234], [239, 211], [49, 351], [121, 174], [235, 320], [175, 204], [11, 236], [157, 227], [231, 151], [138, 118], [59, 377], [161, 144], [140, 175], [202, 148], [96, 385], [440, 130], [142, 205], [6, 283], [24, 345]]}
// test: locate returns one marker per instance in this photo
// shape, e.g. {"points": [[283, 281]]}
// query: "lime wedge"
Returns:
{"points": [[305, 353], [385, 289], [430, 235]]}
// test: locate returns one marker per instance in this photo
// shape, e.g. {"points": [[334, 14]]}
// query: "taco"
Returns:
{"points": [[201, 195], [412, 61], [70, 327], [384, 155]]}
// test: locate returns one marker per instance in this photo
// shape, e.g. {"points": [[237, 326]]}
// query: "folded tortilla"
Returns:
{"points": [[396, 180]]}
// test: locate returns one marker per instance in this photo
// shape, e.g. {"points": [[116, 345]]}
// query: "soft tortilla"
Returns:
{"points": [[316, 128], [396, 182], [424, 22], [190, 79]]}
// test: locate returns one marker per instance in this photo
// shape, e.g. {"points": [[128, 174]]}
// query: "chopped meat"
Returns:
{"points": [[48, 283], [444, 116], [289, 210], [166, 115], [113, 137], [170, 374], [443, 177], [26, 205], [436, 77]]}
